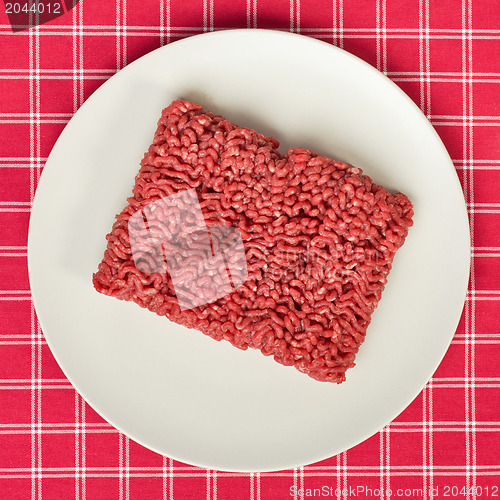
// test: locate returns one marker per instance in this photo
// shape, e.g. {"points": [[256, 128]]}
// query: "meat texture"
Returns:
{"points": [[312, 242]]}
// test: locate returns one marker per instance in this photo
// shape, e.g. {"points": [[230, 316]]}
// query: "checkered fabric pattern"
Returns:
{"points": [[446, 56]]}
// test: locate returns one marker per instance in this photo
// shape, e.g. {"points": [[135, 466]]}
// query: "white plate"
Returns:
{"points": [[177, 391]]}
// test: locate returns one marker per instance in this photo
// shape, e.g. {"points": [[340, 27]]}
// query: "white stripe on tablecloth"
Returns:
{"points": [[437, 384], [124, 32], [251, 14], [162, 25], [295, 484], [5, 254], [400, 76], [79, 7], [340, 23], [167, 20], [27, 116], [77, 447], [78, 98], [388, 450], [10, 121], [211, 489], [120, 469], [403, 472], [381, 448], [421, 56], [76, 66], [297, 16], [383, 12], [211, 15], [377, 33], [334, 29], [345, 477], [311, 471], [328, 36], [214, 485], [461, 383], [83, 449], [469, 391], [109, 30], [18, 209], [473, 280], [301, 483], [249, 25], [36, 363], [387, 430], [205, 16], [65, 29], [208, 484], [123, 470], [127, 468], [423, 107], [338, 473], [164, 468], [427, 71], [384, 435], [168, 478], [257, 485], [171, 477], [116, 33], [428, 111]]}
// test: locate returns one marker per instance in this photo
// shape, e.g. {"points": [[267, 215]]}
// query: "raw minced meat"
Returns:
{"points": [[319, 238]]}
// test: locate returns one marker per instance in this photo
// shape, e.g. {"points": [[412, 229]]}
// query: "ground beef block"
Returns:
{"points": [[288, 254]]}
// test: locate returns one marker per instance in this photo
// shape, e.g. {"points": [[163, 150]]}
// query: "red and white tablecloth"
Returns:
{"points": [[446, 56]]}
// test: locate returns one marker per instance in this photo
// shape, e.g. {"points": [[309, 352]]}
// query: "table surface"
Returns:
{"points": [[446, 56]]}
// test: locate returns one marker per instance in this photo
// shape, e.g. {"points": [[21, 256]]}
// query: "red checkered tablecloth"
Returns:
{"points": [[446, 56]]}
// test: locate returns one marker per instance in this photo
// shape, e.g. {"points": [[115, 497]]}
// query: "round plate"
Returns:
{"points": [[177, 391]]}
